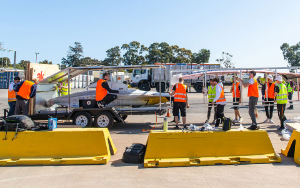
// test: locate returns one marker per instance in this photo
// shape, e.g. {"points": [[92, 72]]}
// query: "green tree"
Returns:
{"points": [[181, 55], [113, 56], [89, 61], [161, 53], [226, 60], [45, 62], [22, 64], [74, 56], [201, 57], [134, 53], [5, 61], [291, 53]]}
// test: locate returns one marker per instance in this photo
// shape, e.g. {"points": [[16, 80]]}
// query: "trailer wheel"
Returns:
{"points": [[104, 120], [198, 87], [83, 118], [88, 103], [144, 86], [163, 89]]}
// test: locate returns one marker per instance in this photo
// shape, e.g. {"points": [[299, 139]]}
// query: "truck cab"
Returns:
{"points": [[141, 78]]}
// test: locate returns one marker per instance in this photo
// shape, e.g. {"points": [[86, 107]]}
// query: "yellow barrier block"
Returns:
{"points": [[63, 146], [293, 147], [177, 148]]}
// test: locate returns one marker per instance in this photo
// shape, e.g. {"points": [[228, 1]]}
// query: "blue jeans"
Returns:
{"points": [[12, 106]]}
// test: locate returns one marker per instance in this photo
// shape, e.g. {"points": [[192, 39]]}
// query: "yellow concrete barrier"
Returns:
{"points": [[293, 147], [177, 148], [63, 146]]}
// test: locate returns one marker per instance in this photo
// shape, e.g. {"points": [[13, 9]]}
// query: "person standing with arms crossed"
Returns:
{"points": [[253, 97], [180, 102], [269, 100], [211, 95], [220, 100], [281, 95], [12, 96], [236, 94]]}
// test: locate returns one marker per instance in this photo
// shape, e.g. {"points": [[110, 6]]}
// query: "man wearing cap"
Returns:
{"points": [[253, 97], [269, 100], [236, 94], [290, 88], [281, 97], [12, 96], [180, 102], [220, 100]]}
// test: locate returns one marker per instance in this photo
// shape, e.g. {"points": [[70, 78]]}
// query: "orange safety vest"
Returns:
{"points": [[222, 96], [253, 89], [270, 91], [25, 89], [100, 91], [180, 93], [11, 96], [238, 95]]}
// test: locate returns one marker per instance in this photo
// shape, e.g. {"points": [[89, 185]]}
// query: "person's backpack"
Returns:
{"points": [[227, 122], [134, 154], [18, 122]]}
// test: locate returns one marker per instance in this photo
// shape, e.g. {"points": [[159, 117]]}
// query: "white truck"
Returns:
{"points": [[145, 79]]}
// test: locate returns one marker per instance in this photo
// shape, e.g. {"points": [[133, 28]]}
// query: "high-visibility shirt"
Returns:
{"points": [[290, 88], [238, 95], [11, 96], [211, 93], [222, 95], [253, 89], [282, 97], [64, 89], [25, 89], [100, 91], [180, 93], [270, 90], [262, 80]]}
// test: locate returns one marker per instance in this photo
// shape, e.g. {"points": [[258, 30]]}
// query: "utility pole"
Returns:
{"points": [[36, 53]]}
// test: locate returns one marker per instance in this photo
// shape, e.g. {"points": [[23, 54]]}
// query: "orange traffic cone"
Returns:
{"points": [[168, 113]]}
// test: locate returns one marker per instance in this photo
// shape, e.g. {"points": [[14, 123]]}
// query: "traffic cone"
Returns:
{"points": [[168, 113]]}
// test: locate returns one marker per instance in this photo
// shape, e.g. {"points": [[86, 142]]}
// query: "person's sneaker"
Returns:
{"points": [[240, 119], [173, 120], [185, 127], [235, 121], [280, 128], [207, 121], [267, 120], [271, 121], [253, 127], [176, 127], [101, 105], [214, 121], [290, 108], [217, 128]]}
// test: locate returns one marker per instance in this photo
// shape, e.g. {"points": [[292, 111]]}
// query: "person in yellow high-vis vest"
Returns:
{"points": [[211, 94], [12, 96], [281, 97], [64, 88], [290, 88]]}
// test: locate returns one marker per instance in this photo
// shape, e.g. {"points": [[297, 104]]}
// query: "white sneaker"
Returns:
{"points": [[271, 121], [217, 128], [267, 120], [236, 121], [240, 119]]}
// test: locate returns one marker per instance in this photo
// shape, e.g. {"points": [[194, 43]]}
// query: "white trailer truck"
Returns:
{"points": [[145, 79]]}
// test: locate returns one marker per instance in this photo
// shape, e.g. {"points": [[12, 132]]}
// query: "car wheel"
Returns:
{"points": [[84, 119], [104, 120]]}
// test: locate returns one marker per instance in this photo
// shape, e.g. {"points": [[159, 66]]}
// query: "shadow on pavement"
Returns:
{"points": [[120, 163]]}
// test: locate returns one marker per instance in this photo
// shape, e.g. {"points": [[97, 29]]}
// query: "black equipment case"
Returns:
{"points": [[134, 154], [227, 123]]}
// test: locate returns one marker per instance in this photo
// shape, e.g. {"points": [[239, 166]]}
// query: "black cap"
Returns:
{"points": [[17, 78]]}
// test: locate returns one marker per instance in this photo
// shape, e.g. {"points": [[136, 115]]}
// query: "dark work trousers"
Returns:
{"points": [[209, 111], [263, 94], [12, 106], [281, 109], [108, 99], [22, 107], [290, 97], [269, 102], [220, 114], [252, 104]]}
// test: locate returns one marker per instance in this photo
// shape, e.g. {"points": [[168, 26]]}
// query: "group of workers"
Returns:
{"points": [[275, 92]]}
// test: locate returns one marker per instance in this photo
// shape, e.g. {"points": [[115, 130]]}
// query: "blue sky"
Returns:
{"points": [[252, 31]]}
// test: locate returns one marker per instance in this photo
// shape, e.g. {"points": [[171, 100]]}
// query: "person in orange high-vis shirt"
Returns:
{"points": [[236, 94], [102, 97], [180, 102], [269, 99], [220, 100], [12, 96], [253, 97], [25, 91]]}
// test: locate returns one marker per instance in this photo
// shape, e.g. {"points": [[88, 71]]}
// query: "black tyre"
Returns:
{"points": [[163, 89], [198, 87], [83, 118], [144, 86], [103, 120], [88, 103]]}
